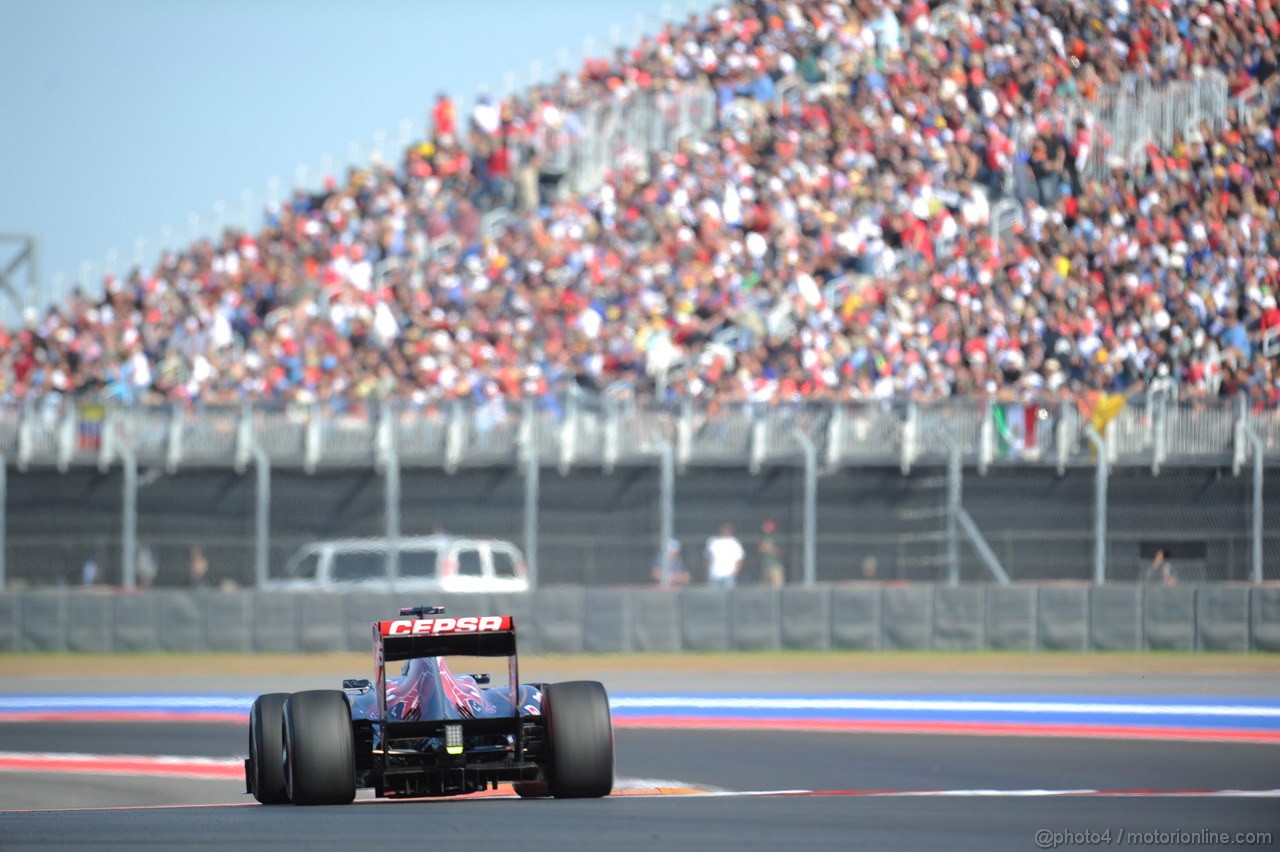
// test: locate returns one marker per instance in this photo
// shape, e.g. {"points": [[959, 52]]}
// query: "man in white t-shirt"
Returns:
{"points": [[724, 558]]}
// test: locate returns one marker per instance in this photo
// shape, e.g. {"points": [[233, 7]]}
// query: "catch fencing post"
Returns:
{"points": [[392, 496], [173, 446], [246, 446], [129, 530], [810, 505], [666, 507], [1062, 436], [4, 514], [1099, 506], [313, 442], [1256, 442], [910, 433], [386, 456], [986, 436], [262, 516], [955, 483], [1158, 407], [531, 487]]}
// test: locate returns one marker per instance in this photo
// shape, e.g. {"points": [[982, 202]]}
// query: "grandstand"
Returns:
{"points": [[779, 201], [983, 218]]}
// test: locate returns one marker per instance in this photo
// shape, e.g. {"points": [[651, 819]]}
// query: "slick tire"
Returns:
{"points": [[319, 749], [266, 749], [531, 789], [580, 730]]}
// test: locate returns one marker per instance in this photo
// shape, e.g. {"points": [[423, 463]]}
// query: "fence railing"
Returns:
{"points": [[1126, 117], [1163, 459], [1138, 112], [579, 428], [598, 137], [1006, 215]]}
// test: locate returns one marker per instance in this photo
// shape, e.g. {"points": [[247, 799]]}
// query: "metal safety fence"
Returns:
{"points": [[962, 490], [576, 427]]}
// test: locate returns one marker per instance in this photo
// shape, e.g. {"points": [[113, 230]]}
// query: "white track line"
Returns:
{"points": [[164, 765], [994, 794], [960, 705]]}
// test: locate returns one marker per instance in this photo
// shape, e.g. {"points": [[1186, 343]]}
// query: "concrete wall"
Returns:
{"points": [[575, 619]]}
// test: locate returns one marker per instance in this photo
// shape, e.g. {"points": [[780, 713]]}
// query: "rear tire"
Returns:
{"points": [[266, 749], [580, 733], [319, 748], [531, 789]]}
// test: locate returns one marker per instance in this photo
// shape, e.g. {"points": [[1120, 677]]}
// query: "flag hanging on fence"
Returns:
{"points": [[1100, 408], [1016, 427], [91, 416], [1107, 408]]}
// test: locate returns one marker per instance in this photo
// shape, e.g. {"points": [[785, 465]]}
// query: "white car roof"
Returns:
{"points": [[432, 542]]}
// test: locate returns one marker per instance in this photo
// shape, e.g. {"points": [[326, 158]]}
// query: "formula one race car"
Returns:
{"points": [[430, 731]]}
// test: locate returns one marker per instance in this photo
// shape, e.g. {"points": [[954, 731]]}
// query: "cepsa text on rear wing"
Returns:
{"points": [[476, 636]]}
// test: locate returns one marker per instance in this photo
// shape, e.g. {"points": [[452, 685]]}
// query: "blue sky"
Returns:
{"points": [[123, 119]]}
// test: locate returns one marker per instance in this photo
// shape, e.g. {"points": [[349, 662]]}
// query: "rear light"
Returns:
{"points": [[453, 739], [449, 567]]}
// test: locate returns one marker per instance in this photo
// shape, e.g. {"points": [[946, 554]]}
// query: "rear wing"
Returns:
{"points": [[425, 631], [439, 636]]}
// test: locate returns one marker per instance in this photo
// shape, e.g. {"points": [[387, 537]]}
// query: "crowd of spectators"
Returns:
{"points": [[828, 237]]}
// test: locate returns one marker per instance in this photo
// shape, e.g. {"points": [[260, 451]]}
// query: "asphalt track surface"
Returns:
{"points": [[683, 789], [1163, 786]]}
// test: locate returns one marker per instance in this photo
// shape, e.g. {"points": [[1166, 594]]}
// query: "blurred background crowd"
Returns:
{"points": [[830, 237]]}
